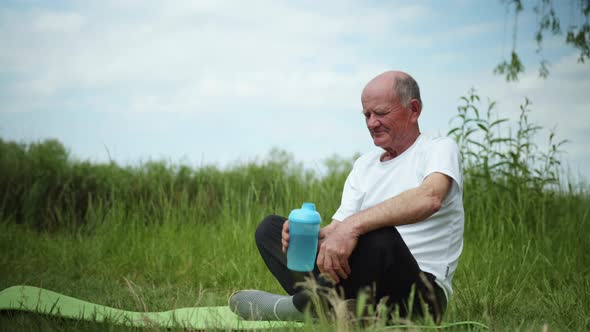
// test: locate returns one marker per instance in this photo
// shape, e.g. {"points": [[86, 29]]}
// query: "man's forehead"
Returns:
{"points": [[378, 94], [379, 87]]}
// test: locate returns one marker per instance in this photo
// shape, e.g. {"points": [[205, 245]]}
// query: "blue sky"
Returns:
{"points": [[215, 82]]}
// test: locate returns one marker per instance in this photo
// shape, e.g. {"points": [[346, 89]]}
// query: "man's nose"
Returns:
{"points": [[372, 121]]}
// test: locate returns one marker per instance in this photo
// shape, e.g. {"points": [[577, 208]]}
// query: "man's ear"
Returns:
{"points": [[416, 108]]}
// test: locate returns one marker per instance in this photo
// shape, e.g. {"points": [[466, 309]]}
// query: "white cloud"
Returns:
{"points": [[561, 99], [190, 52], [266, 56], [45, 22]]}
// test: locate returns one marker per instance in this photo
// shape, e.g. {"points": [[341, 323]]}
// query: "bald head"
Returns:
{"points": [[395, 85]]}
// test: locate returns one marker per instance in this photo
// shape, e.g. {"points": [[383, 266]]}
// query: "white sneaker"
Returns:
{"points": [[258, 305]]}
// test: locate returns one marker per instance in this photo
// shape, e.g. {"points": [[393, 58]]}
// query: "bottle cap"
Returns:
{"points": [[307, 214]]}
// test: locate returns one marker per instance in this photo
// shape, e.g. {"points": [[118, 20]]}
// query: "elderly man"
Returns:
{"points": [[400, 223]]}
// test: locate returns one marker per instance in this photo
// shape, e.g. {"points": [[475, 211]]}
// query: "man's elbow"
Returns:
{"points": [[434, 201], [436, 205]]}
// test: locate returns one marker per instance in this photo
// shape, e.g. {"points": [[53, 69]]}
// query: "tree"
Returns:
{"points": [[577, 35]]}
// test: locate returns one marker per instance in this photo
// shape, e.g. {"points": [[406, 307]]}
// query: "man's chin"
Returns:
{"points": [[381, 139], [378, 142]]}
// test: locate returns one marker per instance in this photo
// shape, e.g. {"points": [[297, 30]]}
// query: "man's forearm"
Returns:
{"points": [[408, 207]]}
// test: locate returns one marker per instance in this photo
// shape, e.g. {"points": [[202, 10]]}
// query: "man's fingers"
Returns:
{"points": [[341, 273], [345, 266], [320, 260], [285, 236], [324, 263], [330, 269], [338, 268]]}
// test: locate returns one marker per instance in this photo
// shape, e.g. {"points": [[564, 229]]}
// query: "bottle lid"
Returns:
{"points": [[307, 214]]}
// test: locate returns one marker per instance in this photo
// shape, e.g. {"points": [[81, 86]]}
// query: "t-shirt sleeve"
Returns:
{"points": [[352, 196], [443, 157]]}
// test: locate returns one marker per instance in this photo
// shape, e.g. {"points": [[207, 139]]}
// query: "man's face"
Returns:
{"points": [[387, 120]]}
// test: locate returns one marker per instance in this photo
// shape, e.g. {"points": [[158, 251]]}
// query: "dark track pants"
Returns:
{"points": [[381, 261]]}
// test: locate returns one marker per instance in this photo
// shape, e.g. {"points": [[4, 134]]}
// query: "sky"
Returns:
{"points": [[224, 82]]}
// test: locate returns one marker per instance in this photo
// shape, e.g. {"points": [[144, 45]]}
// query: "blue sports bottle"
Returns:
{"points": [[304, 231]]}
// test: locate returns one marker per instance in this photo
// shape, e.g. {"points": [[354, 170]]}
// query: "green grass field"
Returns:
{"points": [[159, 236]]}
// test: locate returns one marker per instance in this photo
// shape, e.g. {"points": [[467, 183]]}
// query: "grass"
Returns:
{"points": [[159, 236]]}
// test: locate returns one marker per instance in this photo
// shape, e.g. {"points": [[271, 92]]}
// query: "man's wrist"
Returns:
{"points": [[354, 225]]}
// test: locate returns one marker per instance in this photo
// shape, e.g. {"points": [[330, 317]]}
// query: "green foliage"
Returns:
{"points": [[41, 186], [495, 152], [577, 35], [511, 69]]}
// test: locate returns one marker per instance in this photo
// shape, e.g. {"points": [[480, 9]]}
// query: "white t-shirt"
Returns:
{"points": [[436, 243]]}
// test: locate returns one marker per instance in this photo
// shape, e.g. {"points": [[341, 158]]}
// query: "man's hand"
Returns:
{"points": [[285, 236], [335, 249], [328, 229], [323, 233]]}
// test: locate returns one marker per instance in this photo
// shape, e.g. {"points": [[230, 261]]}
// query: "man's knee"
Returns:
{"points": [[378, 240], [384, 250], [268, 228]]}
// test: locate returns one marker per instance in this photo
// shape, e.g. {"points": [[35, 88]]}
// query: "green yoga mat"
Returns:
{"points": [[34, 299]]}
